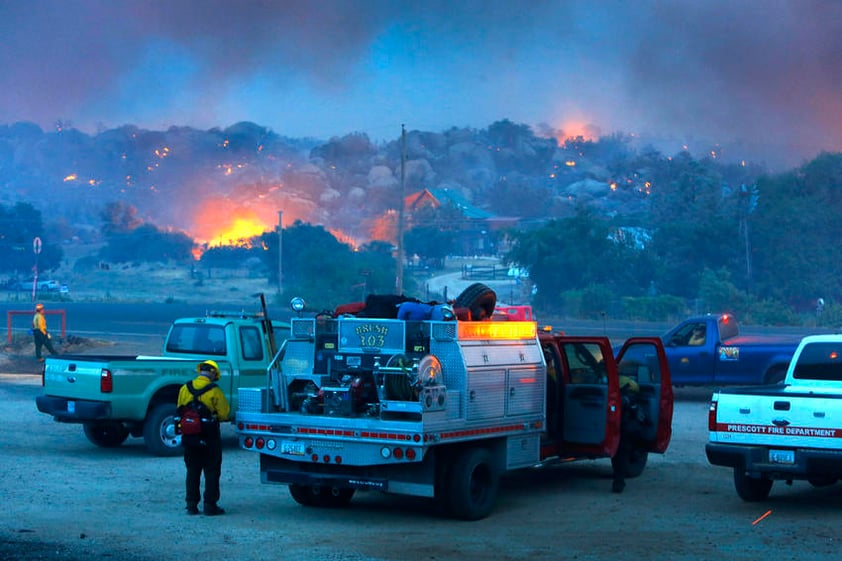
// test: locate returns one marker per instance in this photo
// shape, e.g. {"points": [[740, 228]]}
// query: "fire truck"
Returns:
{"points": [[442, 408]]}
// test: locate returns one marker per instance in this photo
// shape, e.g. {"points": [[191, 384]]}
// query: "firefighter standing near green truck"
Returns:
{"points": [[40, 335], [203, 452]]}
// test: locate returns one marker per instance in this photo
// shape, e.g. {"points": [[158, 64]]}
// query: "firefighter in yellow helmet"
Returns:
{"points": [[40, 335], [203, 452]]}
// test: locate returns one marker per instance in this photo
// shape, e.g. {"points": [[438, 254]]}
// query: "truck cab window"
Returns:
{"points": [[197, 339], [250, 343], [586, 363]]}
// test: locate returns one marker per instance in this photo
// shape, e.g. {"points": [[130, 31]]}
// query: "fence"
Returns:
{"points": [[29, 313]]}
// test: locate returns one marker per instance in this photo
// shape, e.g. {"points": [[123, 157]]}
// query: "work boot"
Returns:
{"points": [[213, 510], [192, 509]]}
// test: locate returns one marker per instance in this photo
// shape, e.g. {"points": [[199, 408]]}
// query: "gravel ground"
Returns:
{"points": [[68, 500]]}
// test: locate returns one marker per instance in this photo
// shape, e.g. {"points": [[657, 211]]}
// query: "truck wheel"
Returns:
{"points": [[751, 489], [478, 298], [318, 496], [632, 466], [473, 485], [108, 434], [159, 431]]}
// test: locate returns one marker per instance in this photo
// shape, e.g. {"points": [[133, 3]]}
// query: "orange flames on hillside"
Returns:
{"points": [[573, 129], [220, 222]]}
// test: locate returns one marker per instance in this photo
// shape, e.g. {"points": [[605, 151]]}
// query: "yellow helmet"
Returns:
{"points": [[209, 366]]}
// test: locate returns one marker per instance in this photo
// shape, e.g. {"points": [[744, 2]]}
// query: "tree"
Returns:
{"points": [[573, 254], [19, 226], [326, 272], [795, 233]]}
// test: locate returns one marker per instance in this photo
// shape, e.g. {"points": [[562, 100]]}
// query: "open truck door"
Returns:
{"points": [[643, 360], [583, 406]]}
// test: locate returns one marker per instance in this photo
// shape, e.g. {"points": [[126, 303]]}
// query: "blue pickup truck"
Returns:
{"points": [[709, 350]]}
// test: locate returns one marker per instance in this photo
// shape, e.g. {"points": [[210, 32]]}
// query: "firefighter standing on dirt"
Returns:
{"points": [[40, 334], [203, 453], [630, 425]]}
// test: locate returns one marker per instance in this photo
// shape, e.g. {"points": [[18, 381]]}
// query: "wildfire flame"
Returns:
{"points": [[574, 129], [219, 222]]}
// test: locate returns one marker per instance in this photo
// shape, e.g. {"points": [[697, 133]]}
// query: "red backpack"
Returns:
{"points": [[194, 413]]}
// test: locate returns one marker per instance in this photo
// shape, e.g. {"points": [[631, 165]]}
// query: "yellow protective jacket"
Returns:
{"points": [[213, 398], [39, 322]]}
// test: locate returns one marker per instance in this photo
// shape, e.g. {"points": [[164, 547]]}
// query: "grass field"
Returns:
{"points": [[188, 283]]}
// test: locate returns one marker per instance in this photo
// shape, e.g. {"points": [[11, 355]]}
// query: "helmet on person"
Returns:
{"points": [[39, 307], [209, 368]]}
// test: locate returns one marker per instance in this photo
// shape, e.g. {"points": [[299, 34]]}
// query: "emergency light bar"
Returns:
{"points": [[488, 330]]}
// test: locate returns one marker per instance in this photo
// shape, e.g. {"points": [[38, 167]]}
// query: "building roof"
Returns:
{"points": [[439, 197]]}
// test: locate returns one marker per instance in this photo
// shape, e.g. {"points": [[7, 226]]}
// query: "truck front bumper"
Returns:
{"points": [[755, 460], [73, 410]]}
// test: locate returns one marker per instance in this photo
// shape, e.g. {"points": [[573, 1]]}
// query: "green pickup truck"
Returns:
{"points": [[114, 397]]}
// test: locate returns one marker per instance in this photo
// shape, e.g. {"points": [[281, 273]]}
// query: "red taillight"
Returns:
{"points": [[248, 442], [397, 453], [712, 416], [106, 382], [260, 443], [410, 453]]}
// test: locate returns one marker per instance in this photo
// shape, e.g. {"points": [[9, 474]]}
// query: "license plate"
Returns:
{"points": [[71, 407], [292, 448], [781, 456]]}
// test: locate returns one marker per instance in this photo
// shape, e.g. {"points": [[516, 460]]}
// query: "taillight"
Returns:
{"points": [[712, 416], [106, 382]]}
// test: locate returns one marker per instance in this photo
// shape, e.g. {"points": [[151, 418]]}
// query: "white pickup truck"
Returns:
{"points": [[791, 431]]}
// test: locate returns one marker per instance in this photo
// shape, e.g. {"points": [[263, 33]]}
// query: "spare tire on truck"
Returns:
{"points": [[479, 299]]}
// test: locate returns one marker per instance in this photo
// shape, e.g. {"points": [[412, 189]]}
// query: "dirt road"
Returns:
{"points": [[66, 499]]}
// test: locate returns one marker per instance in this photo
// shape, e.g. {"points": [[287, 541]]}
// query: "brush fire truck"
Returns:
{"points": [[441, 408]]}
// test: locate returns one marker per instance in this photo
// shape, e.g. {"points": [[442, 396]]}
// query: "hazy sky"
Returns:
{"points": [[766, 73]]}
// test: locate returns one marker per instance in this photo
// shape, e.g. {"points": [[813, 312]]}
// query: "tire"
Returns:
{"points": [[159, 431], [322, 497], [474, 482], [751, 489], [632, 466], [478, 298], [107, 434]]}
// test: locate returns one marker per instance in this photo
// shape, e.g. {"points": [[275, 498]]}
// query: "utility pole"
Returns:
{"points": [[280, 230], [399, 275]]}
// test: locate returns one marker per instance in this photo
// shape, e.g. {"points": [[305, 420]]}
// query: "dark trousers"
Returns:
{"points": [[203, 458], [42, 340]]}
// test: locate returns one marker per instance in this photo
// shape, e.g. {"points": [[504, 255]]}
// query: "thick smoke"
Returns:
{"points": [[764, 74]]}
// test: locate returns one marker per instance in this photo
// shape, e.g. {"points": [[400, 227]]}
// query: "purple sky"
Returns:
{"points": [[763, 73]]}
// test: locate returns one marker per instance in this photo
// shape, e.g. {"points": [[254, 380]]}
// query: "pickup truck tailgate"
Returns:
{"points": [[73, 377], [783, 416]]}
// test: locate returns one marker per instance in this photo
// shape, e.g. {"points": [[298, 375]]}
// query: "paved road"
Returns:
{"points": [[140, 324], [148, 323]]}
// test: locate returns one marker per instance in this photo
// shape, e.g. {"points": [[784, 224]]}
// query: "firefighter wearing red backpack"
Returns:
{"points": [[203, 451]]}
